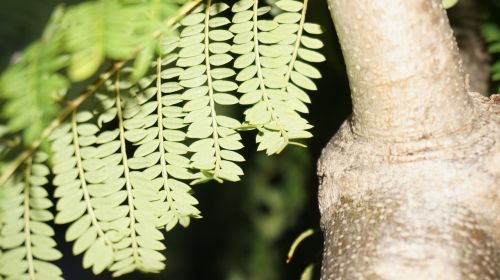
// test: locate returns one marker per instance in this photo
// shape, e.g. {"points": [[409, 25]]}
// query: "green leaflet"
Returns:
{"points": [[274, 57], [160, 155], [26, 241], [308, 273], [80, 182], [36, 76], [79, 39], [207, 87]]}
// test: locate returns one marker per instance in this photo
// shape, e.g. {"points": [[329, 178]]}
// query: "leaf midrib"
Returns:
{"points": [[213, 113], [259, 71], [123, 150], [81, 174], [27, 221], [297, 42]]}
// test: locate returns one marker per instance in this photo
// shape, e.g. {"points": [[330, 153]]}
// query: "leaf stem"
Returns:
{"points": [[213, 113], [72, 105], [297, 42], [81, 174], [259, 72], [164, 172], [27, 221], [123, 149]]}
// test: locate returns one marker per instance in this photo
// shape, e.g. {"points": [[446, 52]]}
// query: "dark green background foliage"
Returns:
{"points": [[247, 227], [491, 33]]}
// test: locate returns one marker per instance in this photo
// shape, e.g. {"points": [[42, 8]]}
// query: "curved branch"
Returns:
{"points": [[404, 69], [72, 105]]}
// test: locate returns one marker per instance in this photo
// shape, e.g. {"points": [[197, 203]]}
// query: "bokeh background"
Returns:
{"points": [[249, 226]]}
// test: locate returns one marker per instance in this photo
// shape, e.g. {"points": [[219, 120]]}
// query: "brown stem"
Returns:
{"points": [[71, 106], [404, 69]]}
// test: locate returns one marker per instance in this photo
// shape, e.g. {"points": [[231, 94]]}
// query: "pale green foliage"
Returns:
{"points": [[79, 39], [308, 273], [206, 86], [271, 74], [123, 161], [117, 202], [34, 81], [116, 29], [25, 237]]}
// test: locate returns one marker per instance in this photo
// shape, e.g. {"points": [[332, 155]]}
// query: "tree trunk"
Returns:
{"points": [[410, 184]]}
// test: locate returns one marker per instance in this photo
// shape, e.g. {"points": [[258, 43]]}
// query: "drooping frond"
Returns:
{"points": [[82, 200], [94, 185], [274, 56], [34, 82], [206, 85], [25, 237], [116, 196], [79, 39], [115, 29], [122, 160], [153, 124]]}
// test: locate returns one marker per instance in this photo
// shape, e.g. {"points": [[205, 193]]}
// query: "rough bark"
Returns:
{"points": [[410, 184]]}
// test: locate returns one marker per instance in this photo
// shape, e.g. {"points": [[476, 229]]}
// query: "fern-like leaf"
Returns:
{"points": [[25, 237], [144, 203], [116, 29], [271, 76], [203, 78], [114, 209], [83, 201], [34, 81], [153, 124]]}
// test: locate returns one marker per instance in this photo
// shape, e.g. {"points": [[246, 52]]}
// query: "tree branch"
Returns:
{"points": [[404, 69], [72, 105]]}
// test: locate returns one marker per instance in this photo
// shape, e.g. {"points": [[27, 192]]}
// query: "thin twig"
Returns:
{"points": [[72, 105]]}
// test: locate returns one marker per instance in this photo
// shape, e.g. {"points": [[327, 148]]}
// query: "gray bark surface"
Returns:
{"points": [[410, 184]]}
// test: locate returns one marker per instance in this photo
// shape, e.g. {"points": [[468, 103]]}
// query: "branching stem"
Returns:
{"points": [[72, 105]]}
